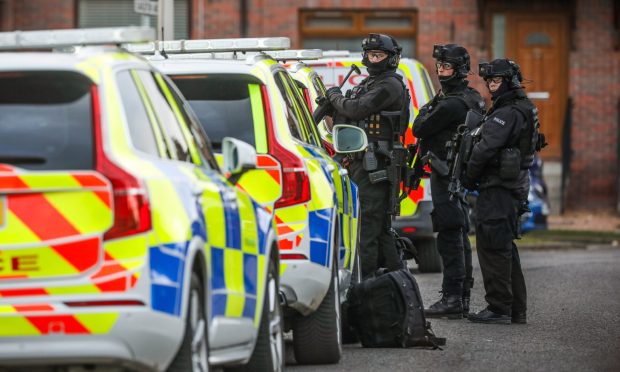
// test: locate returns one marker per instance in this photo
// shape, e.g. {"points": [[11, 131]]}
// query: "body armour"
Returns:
{"points": [[383, 92], [504, 127], [439, 119]]}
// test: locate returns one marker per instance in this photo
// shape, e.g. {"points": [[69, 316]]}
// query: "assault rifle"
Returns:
{"points": [[459, 150]]}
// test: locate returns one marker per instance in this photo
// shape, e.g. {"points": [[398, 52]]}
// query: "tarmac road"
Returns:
{"points": [[573, 323]]}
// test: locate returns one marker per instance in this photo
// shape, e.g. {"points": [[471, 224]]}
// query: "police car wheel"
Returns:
{"points": [[268, 353], [193, 354], [428, 254], [317, 337]]}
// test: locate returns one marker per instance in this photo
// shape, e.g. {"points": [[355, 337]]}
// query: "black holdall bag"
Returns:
{"points": [[387, 311]]}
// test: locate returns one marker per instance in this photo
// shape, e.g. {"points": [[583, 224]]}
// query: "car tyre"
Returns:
{"points": [[428, 255], [193, 354], [317, 337]]}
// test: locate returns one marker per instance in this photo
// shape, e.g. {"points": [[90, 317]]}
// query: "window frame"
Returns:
{"points": [[359, 18]]}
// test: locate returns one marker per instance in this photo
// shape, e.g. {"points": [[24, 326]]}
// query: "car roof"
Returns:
{"points": [[12, 61], [178, 65]]}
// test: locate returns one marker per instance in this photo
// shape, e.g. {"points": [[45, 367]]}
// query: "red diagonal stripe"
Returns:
{"points": [[105, 197], [89, 180], [23, 292], [63, 324], [275, 174], [82, 254], [266, 161], [6, 168], [106, 270], [40, 216], [412, 94], [12, 182], [34, 307], [115, 285]]}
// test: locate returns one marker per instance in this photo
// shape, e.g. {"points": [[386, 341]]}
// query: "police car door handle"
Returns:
{"points": [[343, 172], [198, 190]]}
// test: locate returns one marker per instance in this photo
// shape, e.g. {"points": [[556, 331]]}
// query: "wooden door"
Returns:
{"points": [[539, 44]]}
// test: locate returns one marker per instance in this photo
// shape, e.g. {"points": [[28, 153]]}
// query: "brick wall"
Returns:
{"points": [[43, 14], [594, 85], [594, 76]]}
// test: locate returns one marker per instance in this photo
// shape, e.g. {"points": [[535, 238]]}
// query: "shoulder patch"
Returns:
{"points": [[499, 121]]}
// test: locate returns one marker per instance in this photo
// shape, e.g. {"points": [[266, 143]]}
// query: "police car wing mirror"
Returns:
{"points": [[239, 157], [349, 138]]}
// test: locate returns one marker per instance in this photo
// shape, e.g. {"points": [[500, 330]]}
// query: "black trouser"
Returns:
{"points": [[469, 277], [496, 227], [449, 221], [377, 245]]}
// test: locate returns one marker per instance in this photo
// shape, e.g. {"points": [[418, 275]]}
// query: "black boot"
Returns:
{"points": [[465, 301], [489, 317], [519, 317], [449, 306]]}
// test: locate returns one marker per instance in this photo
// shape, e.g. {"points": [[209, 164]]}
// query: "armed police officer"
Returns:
{"points": [[382, 91], [498, 166], [435, 125]]}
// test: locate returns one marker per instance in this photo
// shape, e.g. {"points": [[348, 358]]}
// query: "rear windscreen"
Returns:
{"points": [[46, 120], [223, 104]]}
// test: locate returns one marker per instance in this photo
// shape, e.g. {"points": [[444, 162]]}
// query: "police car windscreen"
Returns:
{"points": [[223, 104], [46, 120]]}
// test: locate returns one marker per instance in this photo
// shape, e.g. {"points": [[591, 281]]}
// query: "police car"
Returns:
{"points": [[237, 90], [121, 241], [414, 221]]}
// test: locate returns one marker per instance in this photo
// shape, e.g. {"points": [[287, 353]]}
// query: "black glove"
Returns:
{"points": [[320, 100], [333, 91], [468, 182]]}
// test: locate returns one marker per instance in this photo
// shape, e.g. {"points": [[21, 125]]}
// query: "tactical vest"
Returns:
{"points": [[380, 127], [530, 138], [470, 97]]}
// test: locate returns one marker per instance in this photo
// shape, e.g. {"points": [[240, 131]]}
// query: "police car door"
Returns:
{"points": [[312, 150], [240, 265], [346, 190], [211, 205]]}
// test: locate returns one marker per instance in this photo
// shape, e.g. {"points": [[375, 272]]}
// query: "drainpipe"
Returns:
{"points": [[243, 18]]}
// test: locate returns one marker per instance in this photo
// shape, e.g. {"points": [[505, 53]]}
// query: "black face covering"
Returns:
{"points": [[449, 82], [375, 68], [503, 88]]}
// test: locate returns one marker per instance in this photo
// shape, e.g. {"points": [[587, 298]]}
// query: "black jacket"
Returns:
{"points": [[439, 118], [383, 92], [501, 129]]}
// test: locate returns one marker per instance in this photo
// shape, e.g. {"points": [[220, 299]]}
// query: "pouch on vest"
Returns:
{"points": [[509, 163]]}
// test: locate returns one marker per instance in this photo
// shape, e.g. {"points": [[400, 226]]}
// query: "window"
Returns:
{"points": [[345, 29], [308, 127], [292, 110], [46, 120], [115, 13], [167, 120], [140, 129], [224, 104], [499, 36], [200, 137]]}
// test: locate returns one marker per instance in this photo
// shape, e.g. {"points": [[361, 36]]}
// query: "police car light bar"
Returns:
{"points": [[339, 53], [296, 55], [87, 36], [213, 45]]}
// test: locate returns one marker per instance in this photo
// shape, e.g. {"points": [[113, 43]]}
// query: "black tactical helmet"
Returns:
{"points": [[455, 54], [385, 43], [505, 68]]}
